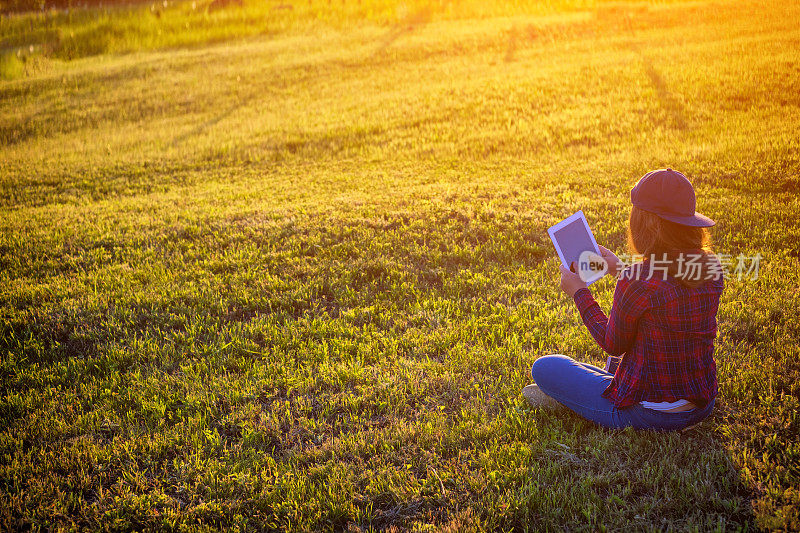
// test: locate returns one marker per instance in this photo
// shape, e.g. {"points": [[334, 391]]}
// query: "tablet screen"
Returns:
{"points": [[573, 239]]}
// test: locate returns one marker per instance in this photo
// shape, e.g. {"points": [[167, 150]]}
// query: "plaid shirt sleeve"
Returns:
{"points": [[615, 334]]}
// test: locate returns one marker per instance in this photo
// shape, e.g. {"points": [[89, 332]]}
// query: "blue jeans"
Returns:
{"points": [[579, 386]]}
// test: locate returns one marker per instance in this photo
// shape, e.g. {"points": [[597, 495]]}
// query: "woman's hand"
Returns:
{"points": [[614, 264], [570, 281]]}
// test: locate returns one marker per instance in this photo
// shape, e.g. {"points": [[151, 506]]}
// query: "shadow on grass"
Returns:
{"points": [[643, 479]]}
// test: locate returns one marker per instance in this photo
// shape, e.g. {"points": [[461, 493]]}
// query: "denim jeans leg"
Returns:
{"points": [[579, 386]]}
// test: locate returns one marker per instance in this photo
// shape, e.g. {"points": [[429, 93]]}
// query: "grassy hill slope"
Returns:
{"points": [[297, 282]]}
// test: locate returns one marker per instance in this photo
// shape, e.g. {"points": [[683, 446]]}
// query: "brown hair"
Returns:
{"points": [[654, 237]]}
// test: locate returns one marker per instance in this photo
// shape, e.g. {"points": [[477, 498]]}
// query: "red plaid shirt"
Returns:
{"points": [[666, 333]]}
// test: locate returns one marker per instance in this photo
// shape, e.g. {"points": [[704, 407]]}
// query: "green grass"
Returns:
{"points": [[70, 34], [297, 281]]}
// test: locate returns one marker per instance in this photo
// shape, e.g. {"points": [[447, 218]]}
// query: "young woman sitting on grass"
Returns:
{"points": [[662, 323]]}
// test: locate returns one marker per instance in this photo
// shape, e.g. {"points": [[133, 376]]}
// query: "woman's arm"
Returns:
{"points": [[615, 334]]}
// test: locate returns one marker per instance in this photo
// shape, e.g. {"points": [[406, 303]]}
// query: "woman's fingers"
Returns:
{"points": [[570, 281], [571, 271]]}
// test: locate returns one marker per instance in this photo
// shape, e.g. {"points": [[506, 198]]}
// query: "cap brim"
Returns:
{"points": [[697, 220]]}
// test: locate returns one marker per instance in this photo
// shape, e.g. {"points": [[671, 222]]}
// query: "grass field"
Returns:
{"points": [[296, 279]]}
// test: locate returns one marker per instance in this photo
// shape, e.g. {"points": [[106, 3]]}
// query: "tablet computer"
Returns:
{"points": [[572, 237]]}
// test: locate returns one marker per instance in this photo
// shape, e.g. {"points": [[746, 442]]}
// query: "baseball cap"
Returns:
{"points": [[670, 195]]}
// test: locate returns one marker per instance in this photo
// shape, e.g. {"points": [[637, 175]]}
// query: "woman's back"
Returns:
{"points": [[671, 356]]}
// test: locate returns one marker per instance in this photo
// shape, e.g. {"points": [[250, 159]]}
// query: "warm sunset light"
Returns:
{"points": [[361, 265]]}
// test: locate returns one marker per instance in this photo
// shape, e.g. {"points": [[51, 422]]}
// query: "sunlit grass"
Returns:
{"points": [[74, 33], [297, 281]]}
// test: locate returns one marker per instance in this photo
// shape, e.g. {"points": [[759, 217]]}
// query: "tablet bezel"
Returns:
{"points": [[569, 220]]}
